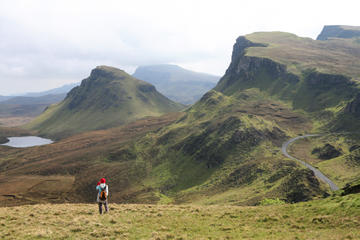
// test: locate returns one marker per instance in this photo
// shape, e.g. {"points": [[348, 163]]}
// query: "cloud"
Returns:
{"points": [[45, 44]]}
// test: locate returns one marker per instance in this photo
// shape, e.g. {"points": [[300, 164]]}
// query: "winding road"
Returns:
{"points": [[317, 173]]}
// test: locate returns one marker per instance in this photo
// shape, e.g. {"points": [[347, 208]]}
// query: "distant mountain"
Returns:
{"points": [[28, 106], [4, 98], [60, 90], [32, 104], [339, 31], [109, 97], [177, 83], [46, 99]]}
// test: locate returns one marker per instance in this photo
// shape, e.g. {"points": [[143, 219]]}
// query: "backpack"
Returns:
{"points": [[103, 196]]}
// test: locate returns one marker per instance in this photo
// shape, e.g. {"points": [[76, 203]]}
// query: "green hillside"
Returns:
{"points": [[107, 98], [222, 150]]}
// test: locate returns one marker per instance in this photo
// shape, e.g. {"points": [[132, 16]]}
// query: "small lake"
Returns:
{"points": [[28, 141]]}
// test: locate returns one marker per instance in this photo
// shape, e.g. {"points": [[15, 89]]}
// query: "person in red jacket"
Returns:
{"points": [[103, 195]]}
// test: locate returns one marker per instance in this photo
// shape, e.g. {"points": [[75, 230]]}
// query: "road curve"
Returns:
{"points": [[317, 173]]}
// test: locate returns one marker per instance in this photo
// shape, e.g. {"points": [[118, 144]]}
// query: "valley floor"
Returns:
{"points": [[331, 218]]}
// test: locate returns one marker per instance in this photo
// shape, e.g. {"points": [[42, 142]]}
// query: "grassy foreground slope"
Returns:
{"points": [[109, 97], [331, 218]]}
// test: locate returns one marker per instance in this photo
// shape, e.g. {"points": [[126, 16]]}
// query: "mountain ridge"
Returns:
{"points": [[108, 97]]}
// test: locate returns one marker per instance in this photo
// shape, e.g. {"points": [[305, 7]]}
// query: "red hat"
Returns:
{"points": [[98, 183], [103, 180]]}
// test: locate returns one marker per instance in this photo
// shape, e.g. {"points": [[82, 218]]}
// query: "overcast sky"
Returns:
{"points": [[48, 43]]}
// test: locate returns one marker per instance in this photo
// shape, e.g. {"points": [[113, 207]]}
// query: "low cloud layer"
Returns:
{"points": [[45, 44]]}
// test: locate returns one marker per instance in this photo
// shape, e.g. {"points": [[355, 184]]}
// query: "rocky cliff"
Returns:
{"points": [[309, 89]]}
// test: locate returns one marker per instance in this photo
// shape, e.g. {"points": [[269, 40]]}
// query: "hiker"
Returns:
{"points": [[103, 195]]}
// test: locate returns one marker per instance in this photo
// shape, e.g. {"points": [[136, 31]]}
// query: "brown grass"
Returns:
{"points": [[14, 121], [314, 220]]}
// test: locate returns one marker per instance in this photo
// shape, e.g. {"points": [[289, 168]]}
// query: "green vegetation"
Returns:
{"points": [[331, 218], [225, 149], [109, 97], [3, 140], [222, 150], [269, 202], [343, 167], [315, 77]]}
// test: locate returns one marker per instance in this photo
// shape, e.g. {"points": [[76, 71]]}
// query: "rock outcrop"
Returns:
{"points": [[353, 107], [326, 152]]}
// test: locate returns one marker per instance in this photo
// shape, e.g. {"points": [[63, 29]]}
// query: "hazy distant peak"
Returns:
{"points": [[339, 31], [163, 67], [177, 83], [174, 70]]}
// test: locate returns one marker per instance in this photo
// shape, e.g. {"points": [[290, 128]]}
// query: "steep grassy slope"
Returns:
{"points": [[177, 83], [332, 218], [109, 97]]}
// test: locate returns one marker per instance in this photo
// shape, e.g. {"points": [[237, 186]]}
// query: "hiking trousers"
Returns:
{"points": [[105, 206]]}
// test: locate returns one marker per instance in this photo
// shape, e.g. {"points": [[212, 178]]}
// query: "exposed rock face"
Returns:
{"points": [[315, 79], [3, 140], [326, 152], [351, 188], [354, 106], [353, 148], [338, 31], [247, 69]]}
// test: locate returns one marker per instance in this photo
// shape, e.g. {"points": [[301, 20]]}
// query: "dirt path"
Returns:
{"points": [[317, 173]]}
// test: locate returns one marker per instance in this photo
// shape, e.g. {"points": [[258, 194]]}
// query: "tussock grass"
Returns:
{"points": [[332, 218]]}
